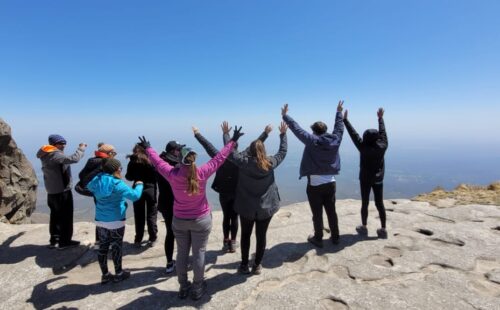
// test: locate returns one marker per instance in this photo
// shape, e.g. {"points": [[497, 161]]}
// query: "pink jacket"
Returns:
{"points": [[189, 206]]}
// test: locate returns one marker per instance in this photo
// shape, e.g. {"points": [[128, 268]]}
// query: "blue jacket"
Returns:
{"points": [[321, 153], [110, 194]]}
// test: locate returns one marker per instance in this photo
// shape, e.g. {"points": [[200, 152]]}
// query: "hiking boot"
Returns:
{"points": [[70, 244], [382, 233], [52, 245], [257, 269], [121, 276], [362, 230], [233, 244], [137, 244], [316, 241], [184, 290], [198, 290], [105, 278], [151, 243], [170, 267], [243, 269], [334, 239], [225, 245]]}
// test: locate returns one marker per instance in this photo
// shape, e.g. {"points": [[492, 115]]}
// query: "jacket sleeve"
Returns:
{"points": [[130, 193], [338, 128], [131, 174], [161, 166], [382, 132], [356, 139], [226, 138], [85, 171], [209, 148], [304, 136], [60, 158], [213, 164], [281, 154]]}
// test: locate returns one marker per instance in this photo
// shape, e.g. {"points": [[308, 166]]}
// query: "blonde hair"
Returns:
{"points": [[192, 177], [258, 150]]}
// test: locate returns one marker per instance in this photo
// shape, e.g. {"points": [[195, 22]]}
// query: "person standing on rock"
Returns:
{"points": [[110, 192], [192, 221], [257, 197], [171, 155], [139, 168], [372, 148], [225, 181], [57, 178], [320, 163]]}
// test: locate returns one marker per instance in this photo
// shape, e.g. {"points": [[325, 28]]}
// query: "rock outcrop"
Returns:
{"points": [[463, 194], [18, 180], [434, 258]]}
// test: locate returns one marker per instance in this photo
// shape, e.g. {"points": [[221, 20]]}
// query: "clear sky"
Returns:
{"points": [[110, 70]]}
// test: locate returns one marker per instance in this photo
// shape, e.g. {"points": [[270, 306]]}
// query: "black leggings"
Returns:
{"points": [[323, 197], [230, 217], [378, 192], [110, 238], [168, 216], [260, 234], [145, 210]]}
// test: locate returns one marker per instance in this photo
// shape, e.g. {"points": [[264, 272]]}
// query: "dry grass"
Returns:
{"points": [[465, 194]]}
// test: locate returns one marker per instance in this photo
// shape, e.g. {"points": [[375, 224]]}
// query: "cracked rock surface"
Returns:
{"points": [[434, 258]]}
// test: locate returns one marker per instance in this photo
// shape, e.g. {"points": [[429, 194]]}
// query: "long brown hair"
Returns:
{"points": [[192, 177], [258, 150], [139, 155]]}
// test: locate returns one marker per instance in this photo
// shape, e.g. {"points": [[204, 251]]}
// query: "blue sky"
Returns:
{"points": [[110, 70]]}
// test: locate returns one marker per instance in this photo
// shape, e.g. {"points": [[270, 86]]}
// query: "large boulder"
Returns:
{"points": [[18, 180]]}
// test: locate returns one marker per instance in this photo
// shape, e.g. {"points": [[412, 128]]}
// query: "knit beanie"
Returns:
{"points": [[106, 148], [56, 139], [185, 151], [111, 165]]}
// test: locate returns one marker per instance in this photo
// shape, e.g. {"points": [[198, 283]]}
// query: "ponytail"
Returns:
{"points": [[192, 177]]}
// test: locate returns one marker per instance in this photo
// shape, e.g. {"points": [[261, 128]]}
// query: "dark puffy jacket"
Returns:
{"points": [[138, 171], [321, 153], [166, 195], [257, 195], [372, 149]]}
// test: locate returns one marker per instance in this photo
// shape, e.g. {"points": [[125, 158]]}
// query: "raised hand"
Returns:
{"points": [[268, 129], [340, 106], [225, 127], [195, 130], [237, 133], [144, 143], [284, 109], [283, 127], [345, 114], [380, 113]]}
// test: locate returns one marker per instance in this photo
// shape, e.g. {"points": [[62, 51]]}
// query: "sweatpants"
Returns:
{"points": [[168, 216], [191, 234], [229, 216], [323, 196], [261, 227], [378, 193], [61, 217], [145, 210], [110, 239]]}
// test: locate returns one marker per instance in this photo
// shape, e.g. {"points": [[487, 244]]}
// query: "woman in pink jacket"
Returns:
{"points": [[192, 221]]}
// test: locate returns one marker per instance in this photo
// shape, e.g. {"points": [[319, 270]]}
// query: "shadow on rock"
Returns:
{"points": [[44, 297]]}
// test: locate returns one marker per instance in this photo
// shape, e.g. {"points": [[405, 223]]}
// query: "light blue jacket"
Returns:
{"points": [[110, 194]]}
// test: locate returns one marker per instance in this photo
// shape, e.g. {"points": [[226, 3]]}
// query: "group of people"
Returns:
{"points": [[174, 184]]}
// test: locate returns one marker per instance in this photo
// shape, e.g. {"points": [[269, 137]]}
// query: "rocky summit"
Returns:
{"points": [[434, 258]]}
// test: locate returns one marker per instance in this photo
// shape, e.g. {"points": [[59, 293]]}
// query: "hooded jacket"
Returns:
{"points": [[257, 196], [166, 195], [110, 194], [187, 206], [321, 153], [372, 149], [56, 168]]}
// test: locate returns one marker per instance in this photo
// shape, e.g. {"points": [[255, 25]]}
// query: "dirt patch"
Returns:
{"points": [[465, 194]]}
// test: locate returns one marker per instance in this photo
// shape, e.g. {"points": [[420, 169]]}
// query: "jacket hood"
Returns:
{"points": [[370, 136], [326, 141], [102, 185], [170, 157], [46, 149]]}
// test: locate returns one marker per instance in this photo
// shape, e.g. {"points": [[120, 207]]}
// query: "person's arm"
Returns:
{"points": [[130, 193], [304, 136], [225, 132], [281, 154], [161, 166], [381, 127], [209, 148], [60, 158], [212, 165], [356, 139], [338, 129], [85, 171]]}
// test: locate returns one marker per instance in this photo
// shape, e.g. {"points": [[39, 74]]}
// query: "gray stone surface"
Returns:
{"points": [[434, 258], [18, 180]]}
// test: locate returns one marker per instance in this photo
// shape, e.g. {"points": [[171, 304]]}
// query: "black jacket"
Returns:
{"points": [[372, 149], [144, 172], [166, 195]]}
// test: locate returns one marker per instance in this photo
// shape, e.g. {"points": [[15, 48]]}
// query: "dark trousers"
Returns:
{"points": [[145, 209], [323, 196], [378, 193], [61, 217], [260, 235], [110, 239], [168, 216], [230, 217]]}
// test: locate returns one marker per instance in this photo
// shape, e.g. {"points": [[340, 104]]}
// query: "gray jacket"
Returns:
{"points": [[257, 195], [56, 169]]}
